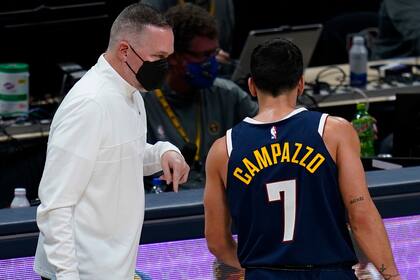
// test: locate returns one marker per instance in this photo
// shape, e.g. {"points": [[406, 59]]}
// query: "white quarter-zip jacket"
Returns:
{"points": [[91, 191]]}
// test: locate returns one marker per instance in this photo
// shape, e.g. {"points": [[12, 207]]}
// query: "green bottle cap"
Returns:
{"points": [[14, 67], [361, 106]]}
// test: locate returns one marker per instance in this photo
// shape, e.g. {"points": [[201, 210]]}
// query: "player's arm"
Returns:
{"points": [[365, 221], [217, 216]]}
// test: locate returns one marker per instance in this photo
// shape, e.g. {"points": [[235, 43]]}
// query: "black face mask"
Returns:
{"points": [[152, 73]]}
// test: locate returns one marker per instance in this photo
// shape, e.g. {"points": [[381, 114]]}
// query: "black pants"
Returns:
{"points": [[43, 278]]}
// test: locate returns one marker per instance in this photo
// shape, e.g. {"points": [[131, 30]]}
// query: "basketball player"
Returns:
{"points": [[286, 178]]}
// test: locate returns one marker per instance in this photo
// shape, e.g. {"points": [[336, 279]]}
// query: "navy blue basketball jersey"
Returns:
{"points": [[283, 195]]}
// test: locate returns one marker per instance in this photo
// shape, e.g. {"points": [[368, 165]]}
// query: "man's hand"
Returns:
{"points": [[364, 271], [175, 169], [223, 57]]}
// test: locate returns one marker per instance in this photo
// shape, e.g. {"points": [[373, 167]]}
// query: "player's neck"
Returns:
{"points": [[275, 108]]}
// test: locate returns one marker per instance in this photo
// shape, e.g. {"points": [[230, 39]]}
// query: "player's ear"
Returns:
{"points": [[301, 86], [122, 50], [251, 86]]}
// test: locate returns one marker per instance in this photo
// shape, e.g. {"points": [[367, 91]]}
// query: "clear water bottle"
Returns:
{"points": [[358, 57], [157, 185], [20, 199], [364, 125]]}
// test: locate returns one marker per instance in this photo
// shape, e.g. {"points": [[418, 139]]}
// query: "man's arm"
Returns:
{"points": [[72, 149], [165, 156], [153, 155], [217, 216], [365, 221]]}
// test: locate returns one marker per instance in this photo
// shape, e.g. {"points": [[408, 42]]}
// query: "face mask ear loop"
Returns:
{"points": [[135, 52], [137, 56], [130, 68]]}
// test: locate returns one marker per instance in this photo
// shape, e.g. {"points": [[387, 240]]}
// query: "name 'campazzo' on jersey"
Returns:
{"points": [[278, 153]]}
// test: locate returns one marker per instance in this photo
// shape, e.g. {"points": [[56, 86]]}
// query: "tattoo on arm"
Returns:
{"points": [[385, 275], [382, 268], [354, 200]]}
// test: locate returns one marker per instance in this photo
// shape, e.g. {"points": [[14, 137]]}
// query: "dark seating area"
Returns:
{"points": [[56, 37], [46, 33]]}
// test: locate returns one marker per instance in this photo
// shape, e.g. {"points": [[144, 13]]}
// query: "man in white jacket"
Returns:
{"points": [[92, 196]]}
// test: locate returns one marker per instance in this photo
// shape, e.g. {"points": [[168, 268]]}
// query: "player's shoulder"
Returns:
{"points": [[335, 122], [217, 159], [219, 147], [338, 128]]}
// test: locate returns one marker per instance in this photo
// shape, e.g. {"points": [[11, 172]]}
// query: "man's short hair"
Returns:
{"points": [[132, 20], [276, 66], [189, 21]]}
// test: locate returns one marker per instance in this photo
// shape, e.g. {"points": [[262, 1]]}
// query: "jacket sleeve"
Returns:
{"points": [[153, 154], [73, 146]]}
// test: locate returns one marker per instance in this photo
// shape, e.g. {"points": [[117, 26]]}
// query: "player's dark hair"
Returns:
{"points": [[276, 66], [189, 21]]}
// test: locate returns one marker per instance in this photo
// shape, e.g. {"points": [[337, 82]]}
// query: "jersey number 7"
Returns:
{"points": [[274, 191]]}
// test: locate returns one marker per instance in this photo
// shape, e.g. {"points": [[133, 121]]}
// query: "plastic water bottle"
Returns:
{"points": [[358, 57], [157, 185], [364, 125], [20, 199]]}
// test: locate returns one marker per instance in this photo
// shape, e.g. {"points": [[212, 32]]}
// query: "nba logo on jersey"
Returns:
{"points": [[273, 132]]}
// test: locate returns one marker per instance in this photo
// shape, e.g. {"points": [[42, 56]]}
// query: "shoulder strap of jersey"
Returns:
{"points": [[322, 121], [229, 141]]}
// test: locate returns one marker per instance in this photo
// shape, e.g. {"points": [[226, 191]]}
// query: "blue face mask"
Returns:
{"points": [[202, 75]]}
